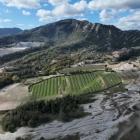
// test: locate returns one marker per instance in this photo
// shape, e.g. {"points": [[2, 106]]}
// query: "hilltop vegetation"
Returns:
{"points": [[31, 63], [5, 79]]}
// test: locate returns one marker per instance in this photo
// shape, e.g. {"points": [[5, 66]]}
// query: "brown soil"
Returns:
{"points": [[13, 96]]}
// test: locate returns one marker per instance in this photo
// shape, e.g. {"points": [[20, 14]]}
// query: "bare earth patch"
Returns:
{"points": [[124, 66], [12, 96]]}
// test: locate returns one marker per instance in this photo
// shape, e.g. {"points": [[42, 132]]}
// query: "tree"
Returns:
{"points": [[22, 123], [78, 113], [11, 128], [31, 123], [67, 109], [134, 65], [43, 118], [62, 116], [15, 78]]}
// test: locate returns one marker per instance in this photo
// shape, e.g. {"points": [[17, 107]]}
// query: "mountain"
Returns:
{"points": [[9, 31], [72, 31]]}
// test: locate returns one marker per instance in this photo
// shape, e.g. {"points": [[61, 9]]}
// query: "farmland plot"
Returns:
{"points": [[73, 84]]}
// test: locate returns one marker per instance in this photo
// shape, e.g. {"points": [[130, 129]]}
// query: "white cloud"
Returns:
{"points": [[58, 2], [82, 19], [32, 4], [109, 10], [67, 10], [30, 25], [26, 13], [7, 11], [93, 4], [63, 11], [115, 4], [129, 22], [7, 20], [20, 24], [45, 4], [81, 5], [106, 16]]}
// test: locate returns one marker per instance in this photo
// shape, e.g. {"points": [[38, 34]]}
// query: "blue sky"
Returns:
{"points": [[27, 14]]}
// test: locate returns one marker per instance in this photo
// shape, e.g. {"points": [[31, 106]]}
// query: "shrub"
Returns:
{"points": [[31, 123]]}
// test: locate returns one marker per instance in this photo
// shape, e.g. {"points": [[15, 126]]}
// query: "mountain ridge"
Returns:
{"points": [[71, 31], [9, 31]]}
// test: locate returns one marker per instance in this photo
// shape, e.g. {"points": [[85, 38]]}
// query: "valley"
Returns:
{"points": [[70, 80]]}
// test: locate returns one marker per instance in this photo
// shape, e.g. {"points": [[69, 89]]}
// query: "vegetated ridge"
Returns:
{"points": [[71, 31], [9, 31]]}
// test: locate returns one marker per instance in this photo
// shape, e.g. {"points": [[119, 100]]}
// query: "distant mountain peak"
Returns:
{"points": [[72, 31], [9, 31]]}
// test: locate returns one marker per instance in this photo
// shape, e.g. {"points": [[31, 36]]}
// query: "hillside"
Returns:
{"points": [[71, 82], [63, 31], [72, 31], [9, 31], [67, 42]]}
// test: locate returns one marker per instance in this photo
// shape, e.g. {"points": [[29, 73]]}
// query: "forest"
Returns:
{"points": [[35, 113]]}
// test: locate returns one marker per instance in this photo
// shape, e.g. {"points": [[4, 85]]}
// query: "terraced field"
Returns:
{"points": [[89, 68], [74, 84]]}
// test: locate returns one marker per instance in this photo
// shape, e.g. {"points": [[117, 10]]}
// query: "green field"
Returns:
{"points": [[74, 84], [89, 68]]}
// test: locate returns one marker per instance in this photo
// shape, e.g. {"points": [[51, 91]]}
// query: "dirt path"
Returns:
{"points": [[104, 85], [68, 83]]}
